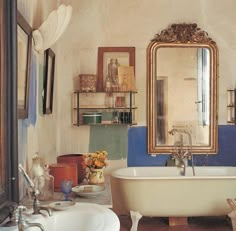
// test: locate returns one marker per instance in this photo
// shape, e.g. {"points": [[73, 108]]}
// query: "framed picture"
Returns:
{"points": [[24, 47], [48, 82], [109, 58]]}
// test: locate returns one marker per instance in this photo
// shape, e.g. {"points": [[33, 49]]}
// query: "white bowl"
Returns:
{"points": [[88, 190]]}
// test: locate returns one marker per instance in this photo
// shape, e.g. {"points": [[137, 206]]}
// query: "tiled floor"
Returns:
{"points": [[194, 224]]}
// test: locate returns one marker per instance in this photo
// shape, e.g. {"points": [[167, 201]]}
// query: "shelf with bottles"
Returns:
{"points": [[231, 106], [104, 108]]}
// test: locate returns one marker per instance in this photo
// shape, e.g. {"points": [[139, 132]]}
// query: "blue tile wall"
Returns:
{"points": [[138, 156]]}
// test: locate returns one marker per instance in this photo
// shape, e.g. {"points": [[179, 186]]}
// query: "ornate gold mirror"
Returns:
{"points": [[182, 89]]}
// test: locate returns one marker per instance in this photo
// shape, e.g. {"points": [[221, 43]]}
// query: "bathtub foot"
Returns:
{"points": [[232, 215], [173, 221], [135, 217]]}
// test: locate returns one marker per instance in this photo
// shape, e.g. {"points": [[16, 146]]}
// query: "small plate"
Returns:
{"points": [[61, 205], [88, 190]]}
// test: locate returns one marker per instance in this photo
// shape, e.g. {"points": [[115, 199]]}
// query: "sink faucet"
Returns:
{"points": [[181, 154], [35, 193], [37, 208], [19, 220]]}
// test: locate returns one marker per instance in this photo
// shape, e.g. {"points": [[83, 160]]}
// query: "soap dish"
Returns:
{"points": [[61, 205]]}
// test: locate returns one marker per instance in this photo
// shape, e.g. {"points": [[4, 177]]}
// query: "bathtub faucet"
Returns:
{"points": [[181, 154]]}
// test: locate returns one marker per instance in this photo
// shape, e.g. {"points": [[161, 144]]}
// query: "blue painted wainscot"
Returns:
{"points": [[138, 156]]}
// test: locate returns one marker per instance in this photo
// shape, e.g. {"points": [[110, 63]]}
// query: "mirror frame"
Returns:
{"points": [[8, 107], [181, 35], [48, 82], [24, 107]]}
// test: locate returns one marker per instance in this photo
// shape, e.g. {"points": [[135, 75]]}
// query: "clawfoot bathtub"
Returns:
{"points": [[163, 192]]}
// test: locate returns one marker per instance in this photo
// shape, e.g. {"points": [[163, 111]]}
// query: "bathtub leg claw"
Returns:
{"points": [[232, 215], [135, 217]]}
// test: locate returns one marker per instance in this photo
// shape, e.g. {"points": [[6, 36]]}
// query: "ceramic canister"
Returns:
{"points": [[63, 171]]}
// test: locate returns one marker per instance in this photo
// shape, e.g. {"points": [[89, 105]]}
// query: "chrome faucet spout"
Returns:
{"points": [[40, 208], [26, 225], [37, 208]]}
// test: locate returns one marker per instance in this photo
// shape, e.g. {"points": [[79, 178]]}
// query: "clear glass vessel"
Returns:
{"points": [[48, 189]]}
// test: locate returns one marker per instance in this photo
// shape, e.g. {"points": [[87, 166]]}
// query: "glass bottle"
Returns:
{"points": [[48, 189], [108, 84], [37, 172], [37, 168], [109, 102]]}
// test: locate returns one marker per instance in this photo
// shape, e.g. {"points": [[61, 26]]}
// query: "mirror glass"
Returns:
{"points": [[182, 89]]}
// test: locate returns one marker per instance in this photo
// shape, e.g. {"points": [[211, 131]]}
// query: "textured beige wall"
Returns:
{"points": [[123, 23]]}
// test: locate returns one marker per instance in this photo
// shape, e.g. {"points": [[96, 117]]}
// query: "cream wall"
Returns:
{"points": [[121, 23]]}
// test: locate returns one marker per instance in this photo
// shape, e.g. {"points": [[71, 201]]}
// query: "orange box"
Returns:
{"points": [[62, 172]]}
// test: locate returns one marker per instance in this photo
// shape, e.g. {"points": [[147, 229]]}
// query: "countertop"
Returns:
{"points": [[104, 198]]}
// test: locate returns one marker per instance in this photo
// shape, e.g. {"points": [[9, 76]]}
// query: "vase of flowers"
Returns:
{"points": [[96, 162]]}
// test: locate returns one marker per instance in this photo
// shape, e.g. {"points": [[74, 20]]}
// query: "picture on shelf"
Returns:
{"points": [[126, 78], [109, 60]]}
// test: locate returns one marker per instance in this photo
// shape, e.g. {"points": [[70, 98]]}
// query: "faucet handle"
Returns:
{"points": [[18, 212], [12, 208], [15, 214], [21, 208]]}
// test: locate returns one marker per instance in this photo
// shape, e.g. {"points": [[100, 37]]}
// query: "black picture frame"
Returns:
{"points": [[24, 49], [48, 83]]}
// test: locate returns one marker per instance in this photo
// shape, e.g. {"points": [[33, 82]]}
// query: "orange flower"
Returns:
{"points": [[96, 160]]}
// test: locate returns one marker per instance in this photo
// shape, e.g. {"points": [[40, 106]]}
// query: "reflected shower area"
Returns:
{"points": [[183, 94]]}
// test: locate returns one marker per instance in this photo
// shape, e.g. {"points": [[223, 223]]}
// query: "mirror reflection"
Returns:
{"points": [[189, 76], [182, 89]]}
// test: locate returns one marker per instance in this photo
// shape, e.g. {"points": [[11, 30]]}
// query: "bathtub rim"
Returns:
{"points": [[116, 173]]}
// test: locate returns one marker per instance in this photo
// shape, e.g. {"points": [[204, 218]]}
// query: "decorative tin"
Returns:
{"points": [[88, 82]]}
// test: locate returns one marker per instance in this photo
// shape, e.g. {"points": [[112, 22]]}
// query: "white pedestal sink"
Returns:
{"points": [[81, 216]]}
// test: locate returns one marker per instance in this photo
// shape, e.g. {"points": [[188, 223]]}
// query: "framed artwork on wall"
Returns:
{"points": [[109, 59], [48, 82], [24, 47]]}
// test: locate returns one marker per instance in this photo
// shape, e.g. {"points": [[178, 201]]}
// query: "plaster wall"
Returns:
{"points": [[36, 136], [120, 23], [134, 23]]}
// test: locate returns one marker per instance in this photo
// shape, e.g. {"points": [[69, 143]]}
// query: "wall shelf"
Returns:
{"points": [[231, 106], [116, 108]]}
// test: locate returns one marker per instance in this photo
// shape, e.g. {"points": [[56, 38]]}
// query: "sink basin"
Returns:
{"points": [[81, 216]]}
